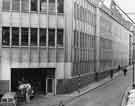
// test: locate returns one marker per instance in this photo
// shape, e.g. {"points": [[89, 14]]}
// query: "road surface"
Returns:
{"points": [[109, 94]]}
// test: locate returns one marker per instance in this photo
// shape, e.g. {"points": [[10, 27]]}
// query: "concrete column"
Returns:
{"points": [[97, 56]]}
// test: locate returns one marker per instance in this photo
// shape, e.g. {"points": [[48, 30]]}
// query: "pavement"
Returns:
{"points": [[49, 100]]}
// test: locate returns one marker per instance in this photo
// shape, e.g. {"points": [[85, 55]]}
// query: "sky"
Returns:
{"points": [[127, 5]]}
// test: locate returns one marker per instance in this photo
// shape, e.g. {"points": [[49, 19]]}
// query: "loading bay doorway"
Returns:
{"points": [[42, 80]]}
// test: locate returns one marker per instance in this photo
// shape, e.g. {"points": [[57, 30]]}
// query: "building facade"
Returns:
{"points": [[58, 45]]}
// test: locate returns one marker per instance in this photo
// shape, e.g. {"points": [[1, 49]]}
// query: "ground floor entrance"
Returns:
{"points": [[41, 79]]}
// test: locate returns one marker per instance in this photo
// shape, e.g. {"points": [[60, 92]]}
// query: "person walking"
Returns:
{"points": [[111, 74], [125, 71]]}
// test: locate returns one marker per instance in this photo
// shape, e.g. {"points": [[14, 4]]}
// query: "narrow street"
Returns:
{"points": [[108, 95]]}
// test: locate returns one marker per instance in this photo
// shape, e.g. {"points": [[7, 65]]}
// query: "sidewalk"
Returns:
{"points": [[55, 100]]}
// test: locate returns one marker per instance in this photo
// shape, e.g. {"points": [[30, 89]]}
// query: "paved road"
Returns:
{"points": [[108, 95]]}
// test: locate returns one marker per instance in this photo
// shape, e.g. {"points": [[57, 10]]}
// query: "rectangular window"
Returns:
{"points": [[51, 37], [34, 4], [6, 5], [60, 33], [33, 36], [60, 6], [24, 36], [25, 5], [16, 5], [43, 5], [42, 37], [15, 36], [51, 8], [5, 36]]}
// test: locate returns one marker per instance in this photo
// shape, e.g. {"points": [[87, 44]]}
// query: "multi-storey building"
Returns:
{"points": [[58, 45]]}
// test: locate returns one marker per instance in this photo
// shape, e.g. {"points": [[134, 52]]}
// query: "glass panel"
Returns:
{"points": [[42, 37], [25, 5], [51, 7], [60, 7], [34, 5], [5, 36], [51, 37], [10, 100], [6, 5], [43, 5], [24, 38], [33, 36], [4, 100], [15, 36], [16, 5], [60, 37]]}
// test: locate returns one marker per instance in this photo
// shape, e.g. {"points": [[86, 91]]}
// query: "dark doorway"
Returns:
{"points": [[50, 85], [35, 76]]}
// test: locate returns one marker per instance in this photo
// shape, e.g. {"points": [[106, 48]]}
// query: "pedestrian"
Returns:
{"points": [[111, 74], [125, 71], [28, 92], [96, 76], [119, 67]]}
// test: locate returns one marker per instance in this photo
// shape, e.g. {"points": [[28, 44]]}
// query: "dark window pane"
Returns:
{"points": [[24, 36], [51, 37], [42, 37], [51, 8], [60, 7], [5, 36], [25, 5], [60, 37], [15, 36], [34, 5], [16, 5], [6, 5], [33, 36], [43, 5]]}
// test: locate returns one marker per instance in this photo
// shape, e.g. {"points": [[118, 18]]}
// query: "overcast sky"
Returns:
{"points": [[127, 5]]}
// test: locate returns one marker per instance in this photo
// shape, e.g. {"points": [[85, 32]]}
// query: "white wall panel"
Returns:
{"points": [[34, 20], [5, 19], [43, 20], [15, 19], [52, 21], [25, 19], [60, 21]]}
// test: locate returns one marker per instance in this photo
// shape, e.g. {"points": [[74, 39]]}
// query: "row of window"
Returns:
{"points": [[85, 15], [83, 55], [25, 36], [105, 43], [82, 68], [83, 40], [34, 5]]}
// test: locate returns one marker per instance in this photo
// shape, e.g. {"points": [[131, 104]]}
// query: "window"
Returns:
{"points": [[33, 36], [60, 37], [51, 37], [15, 36], [42, 37], [5, 36], [25, 5], [34, 5], [6, 5], [43, 5], [24, 36], [60, 7], [51, 7], [16, 5]]}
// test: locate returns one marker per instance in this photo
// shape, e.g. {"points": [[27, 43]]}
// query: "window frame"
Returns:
{"points": [[6, 38], [14, 37]]}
